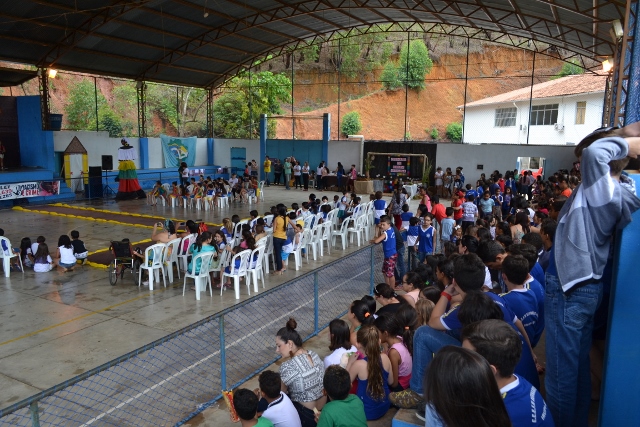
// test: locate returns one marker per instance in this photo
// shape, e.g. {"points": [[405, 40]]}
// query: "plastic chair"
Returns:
{"points": [[342, 233], [237, 233], [237, 272], [357, 229], [268, 220], [153, 263], [183, 252], [202, 275], [223, 201], [171, 258], [325, 236], [224, 261], [7, 255], [268, 252], [297, 250], [310, 243], [255, 267], [261, 190]]}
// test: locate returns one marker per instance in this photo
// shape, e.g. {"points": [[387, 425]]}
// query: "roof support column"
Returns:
{"points": [[45, 100], [141, 92], [210, 151]]}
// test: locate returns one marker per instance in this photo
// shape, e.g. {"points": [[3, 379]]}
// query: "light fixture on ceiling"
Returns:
{"points": [[52, 73], [206, 14], [607, 65], [618, 31]]}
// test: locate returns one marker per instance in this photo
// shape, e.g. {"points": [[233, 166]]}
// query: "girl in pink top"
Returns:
{"points": [[396, 331]]}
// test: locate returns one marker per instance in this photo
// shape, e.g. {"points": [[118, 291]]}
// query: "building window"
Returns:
{"points": [[544, 115], [581, 111], [505, 117]]}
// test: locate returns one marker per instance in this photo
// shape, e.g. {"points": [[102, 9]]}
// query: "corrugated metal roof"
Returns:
{"points": [[173, 41]]}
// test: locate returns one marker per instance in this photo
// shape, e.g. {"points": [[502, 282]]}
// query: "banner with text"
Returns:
{"points": [[29, 189], [398, 165], [178, 150]]}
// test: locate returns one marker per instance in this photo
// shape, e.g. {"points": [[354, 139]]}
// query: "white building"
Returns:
{"points": [[563, 111]]}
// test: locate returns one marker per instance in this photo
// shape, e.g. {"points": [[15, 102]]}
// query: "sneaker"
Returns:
{"points": [[420, 414], [145, 283], [406, 399]]}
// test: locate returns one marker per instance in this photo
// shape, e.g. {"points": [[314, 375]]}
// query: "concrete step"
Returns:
{"points": [[406, 418]]}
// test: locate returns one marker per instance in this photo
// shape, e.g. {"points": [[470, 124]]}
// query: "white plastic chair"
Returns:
{"points": [[297, 249], [224, 261], [237, 272], [357, 228], [268, 252], [325, 236], [223, 201], [254, 271], [171, 258], [183, 252], [237, 232], [201, 277], [154, 264], [310, 243], [342, 233], [268, 220], [261, 189], [7, 255]]}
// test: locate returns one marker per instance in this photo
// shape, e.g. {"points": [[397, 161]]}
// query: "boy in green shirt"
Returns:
{"points": [[343, 409], [246, 404]]}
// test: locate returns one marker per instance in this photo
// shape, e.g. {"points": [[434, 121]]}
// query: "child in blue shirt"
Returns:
{"points": [[501, 346], [406, 217], [388, 240], [412, 238], [523, 302], [427, 238], [447, 225], [379, 207]]}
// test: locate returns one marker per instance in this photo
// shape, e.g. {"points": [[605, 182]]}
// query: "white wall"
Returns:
{"points": [[222, 150], [500, 157], [346, 152], [99, 144], [479, 122]]}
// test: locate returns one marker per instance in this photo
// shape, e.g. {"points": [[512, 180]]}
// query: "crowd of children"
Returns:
{"points": [[69, 251]]}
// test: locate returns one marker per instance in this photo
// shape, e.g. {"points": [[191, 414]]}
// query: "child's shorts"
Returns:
{"points": [[389, 265], [82, 255], [285, 255], [67, 265]]}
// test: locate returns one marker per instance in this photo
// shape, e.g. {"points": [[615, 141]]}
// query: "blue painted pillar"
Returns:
{"points": [[632, 108], [210, 152], [326, 135], [263, 145], [144, 153], [621, 376]]}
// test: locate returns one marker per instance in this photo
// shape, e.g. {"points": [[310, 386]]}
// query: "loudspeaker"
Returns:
{"points": [[94, 188], [107, 163]]}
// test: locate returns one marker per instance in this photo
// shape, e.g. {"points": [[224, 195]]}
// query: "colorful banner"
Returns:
{"points": [[178, 150], [398, 165], [29, 189]]}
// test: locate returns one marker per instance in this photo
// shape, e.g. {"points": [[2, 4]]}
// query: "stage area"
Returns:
{"points": [[58, 325]]}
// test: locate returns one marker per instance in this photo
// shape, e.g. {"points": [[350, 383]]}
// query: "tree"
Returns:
{"points": [[110, 122], [569, 68], [81, 109], [237, 110], [414, 64], [390, 77], [454, 132], [351, 124]]}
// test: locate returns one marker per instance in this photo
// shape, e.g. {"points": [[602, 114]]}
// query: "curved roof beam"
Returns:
{"points": [[288, 12]]}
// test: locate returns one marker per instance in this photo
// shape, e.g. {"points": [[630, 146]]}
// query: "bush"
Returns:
{"points": [[418, 64], [434, 133], [390, 77], [351, 124], [454, 132]]}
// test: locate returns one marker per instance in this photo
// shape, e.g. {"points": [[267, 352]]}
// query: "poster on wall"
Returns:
{"points": [[178, 150], [29, 189], [398, 165]]}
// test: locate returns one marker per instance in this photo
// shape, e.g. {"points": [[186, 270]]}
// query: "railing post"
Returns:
{"points": [[35, 416], [223, 356], [372, 272], [316, 304]]}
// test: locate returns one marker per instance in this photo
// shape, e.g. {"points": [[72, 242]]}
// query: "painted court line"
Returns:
{"points": [[215, 353]]}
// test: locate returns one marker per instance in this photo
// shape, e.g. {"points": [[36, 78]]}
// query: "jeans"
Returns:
{"points": [[569, 325], [276, 178], [305, 180], [266, 179], [296, 178], [287, 178], [400, 269], [426, 342], [277, 251]]}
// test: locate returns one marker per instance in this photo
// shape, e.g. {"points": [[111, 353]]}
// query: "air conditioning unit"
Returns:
{"points": [[559, 127], [523, 128]]}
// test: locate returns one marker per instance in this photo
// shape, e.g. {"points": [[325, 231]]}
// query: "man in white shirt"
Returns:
{"points": [[275, 405]]}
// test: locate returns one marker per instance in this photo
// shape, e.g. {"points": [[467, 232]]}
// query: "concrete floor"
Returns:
{"points": [[58, 325]]}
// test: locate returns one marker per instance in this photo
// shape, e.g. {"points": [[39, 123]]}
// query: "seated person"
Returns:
{"points": [[497, 342], [246, 404], [343, 409], [275, 405]]}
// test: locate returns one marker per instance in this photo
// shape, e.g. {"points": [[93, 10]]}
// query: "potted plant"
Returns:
{"points": [[368, 165]]}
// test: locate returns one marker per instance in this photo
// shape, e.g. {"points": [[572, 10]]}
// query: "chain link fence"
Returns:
{"points": [[169, 381]]}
